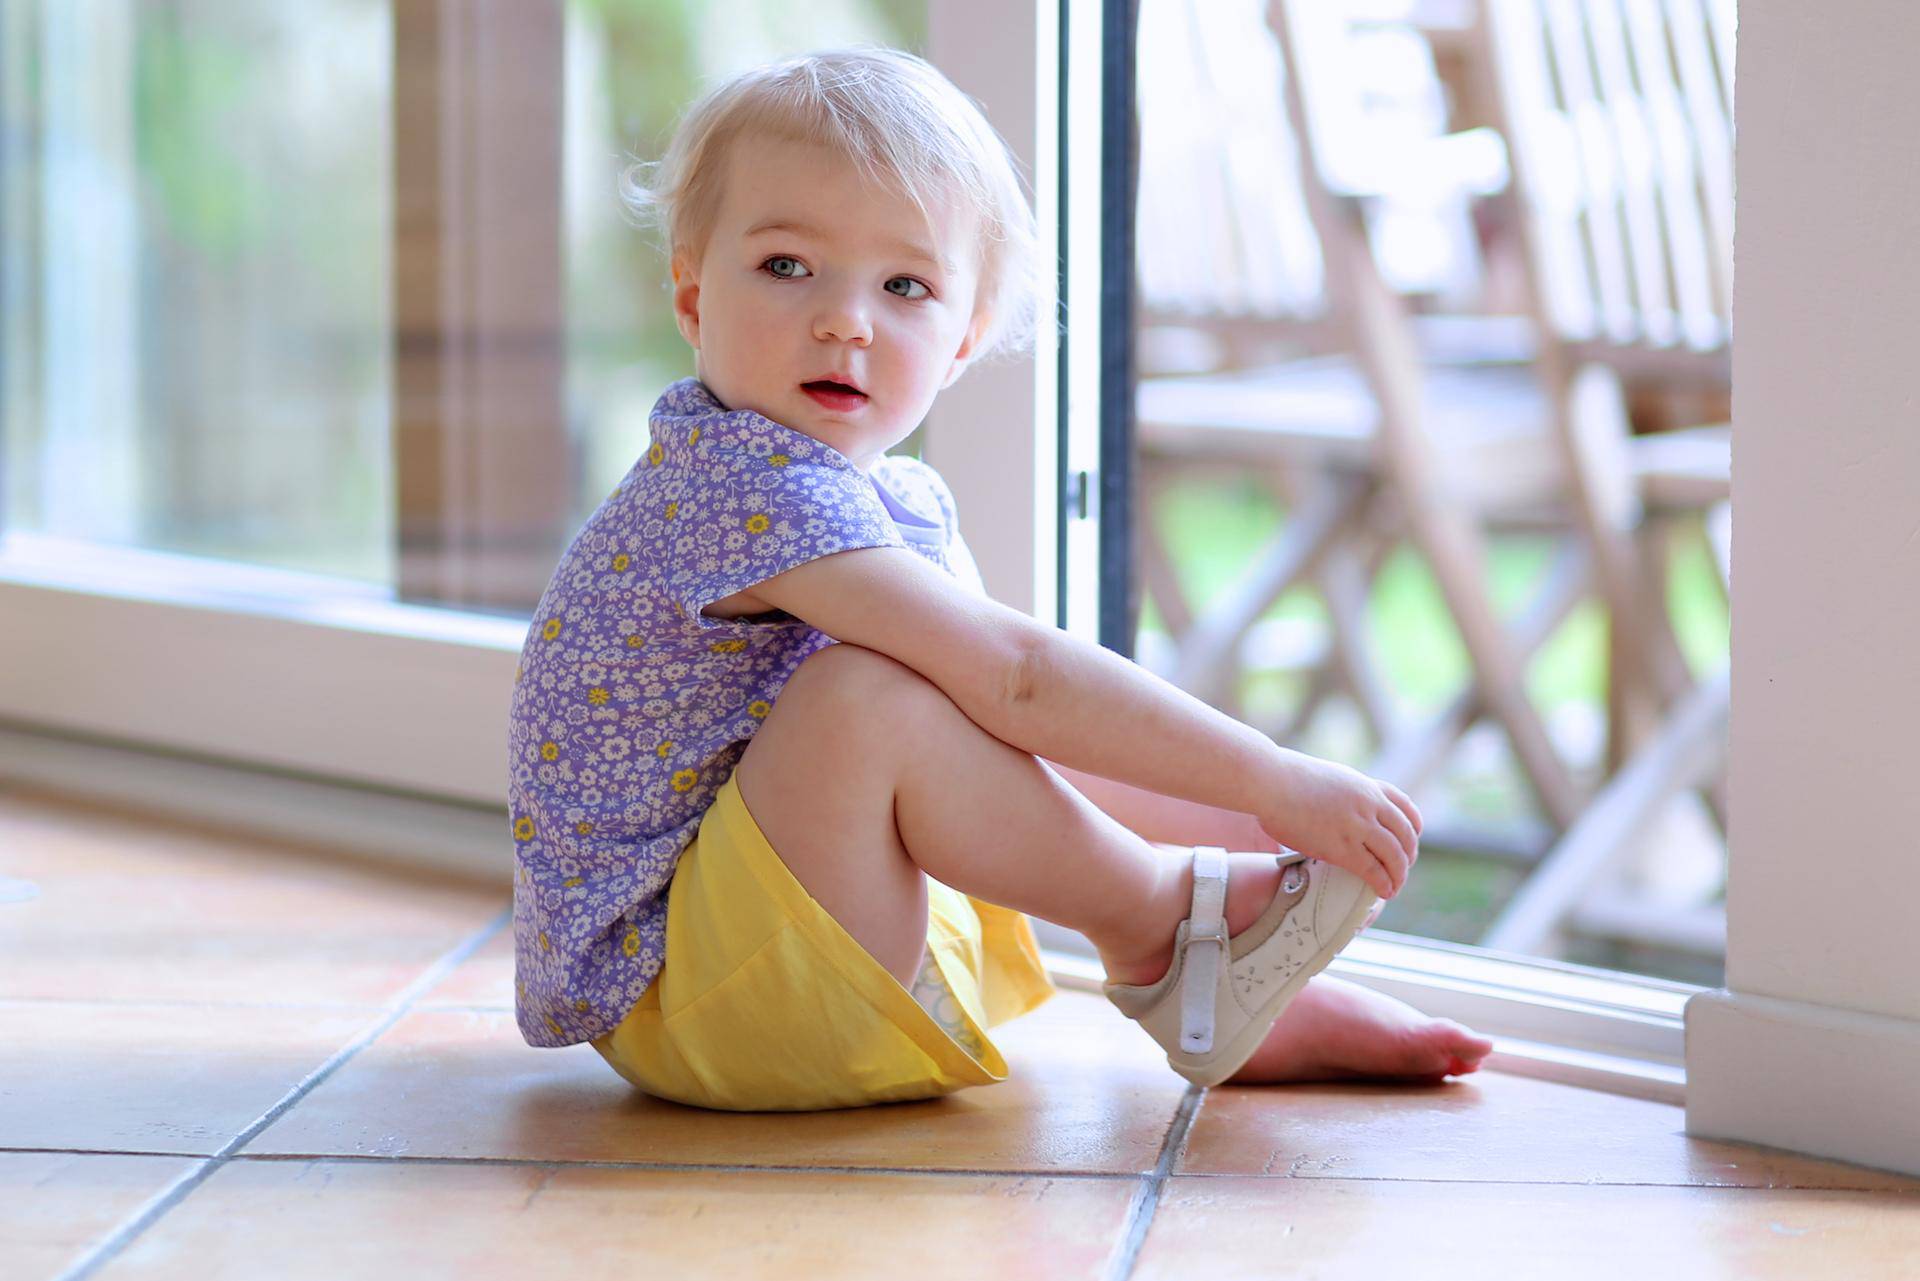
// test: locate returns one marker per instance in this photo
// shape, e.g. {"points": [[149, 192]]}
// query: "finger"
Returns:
{"points": [[1392, 862], [1396, 822], [1379, 877], [1406, 804]]}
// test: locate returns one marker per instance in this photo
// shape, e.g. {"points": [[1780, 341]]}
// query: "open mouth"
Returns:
{"points": [[834, 395]]}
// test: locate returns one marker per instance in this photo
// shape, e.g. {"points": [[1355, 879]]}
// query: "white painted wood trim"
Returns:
{"points": [[416, 833], [992, 434], [256, 666], [1539, 1033], [1565, 1065], [1805, 1076], [1815, 1044]]}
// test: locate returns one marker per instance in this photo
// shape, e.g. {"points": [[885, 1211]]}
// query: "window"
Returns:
{"points": [[196, 268]]}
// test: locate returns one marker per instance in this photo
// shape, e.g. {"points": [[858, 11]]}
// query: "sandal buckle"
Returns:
{"points": [[1218, 934]]}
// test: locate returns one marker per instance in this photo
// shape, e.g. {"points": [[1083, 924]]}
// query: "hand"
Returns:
{"points": [[1339, 815]]}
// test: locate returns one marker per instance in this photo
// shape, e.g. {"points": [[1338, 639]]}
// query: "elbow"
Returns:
{"points": [[1023, 670]]}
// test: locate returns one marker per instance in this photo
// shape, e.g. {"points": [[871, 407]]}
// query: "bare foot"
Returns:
{"points": [[1340, 1031]]}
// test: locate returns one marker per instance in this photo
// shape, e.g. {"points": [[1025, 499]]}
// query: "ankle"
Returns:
{"points": [[1138, 947], [1140, 952]]}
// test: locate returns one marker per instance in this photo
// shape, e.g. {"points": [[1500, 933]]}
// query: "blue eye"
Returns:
{"points": [[769, 267], [911, 283]]}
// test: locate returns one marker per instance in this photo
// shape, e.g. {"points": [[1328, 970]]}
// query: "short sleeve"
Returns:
{"points": [[748, 512], [926, 490]]}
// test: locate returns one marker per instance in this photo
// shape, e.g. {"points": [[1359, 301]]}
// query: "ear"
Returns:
{"points": [[686, 300], [968, 343]]}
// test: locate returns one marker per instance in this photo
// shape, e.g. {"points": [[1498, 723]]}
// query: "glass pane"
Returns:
{"points": [[197, 270], [194, 272], [1262, 384], [632, 67]]}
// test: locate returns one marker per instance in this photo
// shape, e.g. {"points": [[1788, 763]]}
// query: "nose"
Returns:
{"points": [[843, 317]]}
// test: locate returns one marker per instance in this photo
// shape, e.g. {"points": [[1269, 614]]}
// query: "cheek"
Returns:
{"points": [[934, 339], [917, 358], [737, 323]]}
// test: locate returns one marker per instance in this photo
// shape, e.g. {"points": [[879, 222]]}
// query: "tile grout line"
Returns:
{"points": [[956, 1172], [1146, 1198], [168, 1197], [699, 1167]]}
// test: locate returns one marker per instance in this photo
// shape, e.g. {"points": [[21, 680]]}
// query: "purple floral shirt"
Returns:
{"points": [[631, 707]]}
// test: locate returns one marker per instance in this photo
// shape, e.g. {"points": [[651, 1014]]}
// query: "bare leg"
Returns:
{"points": [[865, 775], [866, 778]]}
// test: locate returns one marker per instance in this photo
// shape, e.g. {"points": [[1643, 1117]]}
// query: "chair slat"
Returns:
{"points": [[1638, 171], [1222, 222], [1599, 167], [1706, 97], [1691, 240], [1544, 150], [1720, 23], [1623, 162]]}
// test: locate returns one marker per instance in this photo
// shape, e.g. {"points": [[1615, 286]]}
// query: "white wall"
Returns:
{"points": [[1816, 1043], [1827, 673]]}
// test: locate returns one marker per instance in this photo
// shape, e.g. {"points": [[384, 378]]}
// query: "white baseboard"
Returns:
{"points": [[415, 832], [1808, 1078]]}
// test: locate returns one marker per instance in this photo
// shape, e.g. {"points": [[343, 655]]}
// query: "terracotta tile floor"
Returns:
{"points": [[220, 1056]]}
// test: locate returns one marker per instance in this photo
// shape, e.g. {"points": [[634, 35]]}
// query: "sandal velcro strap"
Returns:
{"points": [[1205, 948]]}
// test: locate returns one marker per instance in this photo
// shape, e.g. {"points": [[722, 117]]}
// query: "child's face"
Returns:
{"points": [[854, 287]]}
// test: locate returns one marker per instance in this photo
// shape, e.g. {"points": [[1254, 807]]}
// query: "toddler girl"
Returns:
{"points": [[785, 780]]}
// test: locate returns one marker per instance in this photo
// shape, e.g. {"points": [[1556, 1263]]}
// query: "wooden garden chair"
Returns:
{"points": [[1618, 116], [1369, 445]]}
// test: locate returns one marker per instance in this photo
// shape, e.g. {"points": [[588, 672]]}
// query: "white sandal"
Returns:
{"points": [[1212, 1008]]}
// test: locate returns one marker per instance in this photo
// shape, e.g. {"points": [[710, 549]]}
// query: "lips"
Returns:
{"points": [[835, 394]]}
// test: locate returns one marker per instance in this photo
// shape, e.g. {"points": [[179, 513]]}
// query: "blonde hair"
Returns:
{"points": [[903, 123]]}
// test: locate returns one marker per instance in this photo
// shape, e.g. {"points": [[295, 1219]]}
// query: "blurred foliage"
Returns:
{"points": [[192, 80]]}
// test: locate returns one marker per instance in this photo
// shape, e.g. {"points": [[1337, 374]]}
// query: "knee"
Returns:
{"points": [[862, 681]]}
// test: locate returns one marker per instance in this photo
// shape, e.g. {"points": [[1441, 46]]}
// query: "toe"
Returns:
{"points": [[1465, 1042], [1425, 1053], [1442, 1046]]}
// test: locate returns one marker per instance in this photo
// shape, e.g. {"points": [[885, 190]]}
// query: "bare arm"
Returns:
{"points": [[1176, 770], [1098, 714], [1039, 688], [1066, 700]]}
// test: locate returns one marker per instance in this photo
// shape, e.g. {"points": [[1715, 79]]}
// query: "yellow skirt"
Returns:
{"points": [[767, 1004]]}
